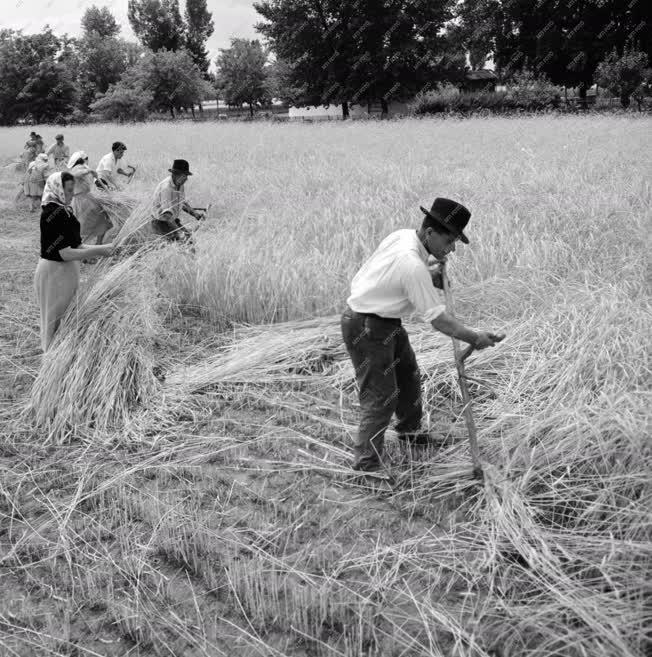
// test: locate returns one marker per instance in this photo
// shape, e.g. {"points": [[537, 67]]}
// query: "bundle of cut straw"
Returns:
{"points": [[100, 365], [119, 205], [135, 228]]}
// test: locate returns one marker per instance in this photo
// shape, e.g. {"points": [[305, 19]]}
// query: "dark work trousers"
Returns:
{"points": [[388, 380]]}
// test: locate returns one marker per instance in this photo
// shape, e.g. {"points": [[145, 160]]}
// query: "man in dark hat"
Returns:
{"points": [[394, 282], [170, 201], [109, 167]]}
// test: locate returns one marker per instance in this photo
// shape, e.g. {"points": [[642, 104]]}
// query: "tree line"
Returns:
{"points": [[317, 52]]}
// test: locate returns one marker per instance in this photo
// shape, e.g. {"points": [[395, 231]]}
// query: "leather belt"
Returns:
{"points": [[391, 320]]}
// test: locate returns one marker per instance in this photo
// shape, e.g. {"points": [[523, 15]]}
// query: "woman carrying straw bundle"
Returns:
{"points": [[57, 273], [94, 219], [34, 181]]}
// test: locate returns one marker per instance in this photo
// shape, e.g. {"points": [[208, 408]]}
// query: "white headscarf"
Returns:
{"points": [[53, 192], [77, 155]]}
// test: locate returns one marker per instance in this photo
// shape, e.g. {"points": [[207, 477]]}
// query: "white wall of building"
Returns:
{"points": [[335, 111]]}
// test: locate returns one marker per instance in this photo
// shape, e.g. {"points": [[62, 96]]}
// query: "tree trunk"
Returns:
{"points": [[172, 111], [624, 100], [201, 108], [251, 110], [384, 108], [192, 110], [345, 111]]}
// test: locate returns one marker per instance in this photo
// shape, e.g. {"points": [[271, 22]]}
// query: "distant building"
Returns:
{"points": [[482, 80], [321, 112]]}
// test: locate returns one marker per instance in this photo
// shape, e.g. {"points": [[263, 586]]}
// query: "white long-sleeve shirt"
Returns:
{"points": [[395, 281], [107, 167], [169, 198]]}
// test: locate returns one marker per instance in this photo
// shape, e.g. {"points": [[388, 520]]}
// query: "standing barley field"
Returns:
{"points": [[175, 472]]}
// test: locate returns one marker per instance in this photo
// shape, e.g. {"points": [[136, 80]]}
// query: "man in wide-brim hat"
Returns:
{"points": [[394, 282], [170, 201]]}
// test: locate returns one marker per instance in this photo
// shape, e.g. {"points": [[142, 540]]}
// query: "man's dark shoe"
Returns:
{"points": [[418, 439], [367, 467]]}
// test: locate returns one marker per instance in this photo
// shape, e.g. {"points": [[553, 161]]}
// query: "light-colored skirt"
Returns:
{"points": [[55, 284], [92, 217], [34, 187]]}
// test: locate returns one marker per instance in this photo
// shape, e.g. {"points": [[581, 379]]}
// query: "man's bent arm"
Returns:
{"points": [[449, 325], [186, 207]]}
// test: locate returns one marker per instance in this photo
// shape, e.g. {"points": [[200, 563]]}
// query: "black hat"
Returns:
{"points": [[118, 144], [59, 136], [450, 215], [180, 166]]}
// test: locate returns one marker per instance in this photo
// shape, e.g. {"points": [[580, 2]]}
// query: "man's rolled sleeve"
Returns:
{"points": [[423, 295]]}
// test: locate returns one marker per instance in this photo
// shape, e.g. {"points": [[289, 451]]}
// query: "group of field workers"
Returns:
{"points": [[402, 276], [73, 211]]}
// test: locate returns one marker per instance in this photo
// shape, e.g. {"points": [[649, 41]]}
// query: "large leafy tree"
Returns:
{"points": [[241, 73], [101, 21], [123, 103], [279, 83], [624, 75], [563, 40], [102, 55], [397, 49], [354, 50], [199, 27], [157, 23], [49, 93], [172, 79], [20, 60]]}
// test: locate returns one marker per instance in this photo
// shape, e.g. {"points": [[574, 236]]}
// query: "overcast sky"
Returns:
{"points": [[232, 18]]}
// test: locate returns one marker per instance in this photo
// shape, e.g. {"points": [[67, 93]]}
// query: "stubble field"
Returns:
{"points": [[174, 475]]}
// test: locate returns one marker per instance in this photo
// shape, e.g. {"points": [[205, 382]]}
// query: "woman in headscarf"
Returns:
{"points": [[40, 145], [34, 181], [57, 273], [92, 216], [29, 154]]}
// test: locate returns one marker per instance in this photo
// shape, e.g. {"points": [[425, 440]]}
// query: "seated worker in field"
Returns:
{"points": [[109, 167], [394, 282], [59, 153], [169, 200]]}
